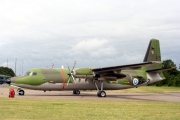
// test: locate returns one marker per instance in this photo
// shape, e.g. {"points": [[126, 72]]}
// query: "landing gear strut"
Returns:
{"points": [[76, 92], [101, 92]]}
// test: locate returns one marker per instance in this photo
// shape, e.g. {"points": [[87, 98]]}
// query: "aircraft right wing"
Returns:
{"points": [[114, 72], [121, 67]]}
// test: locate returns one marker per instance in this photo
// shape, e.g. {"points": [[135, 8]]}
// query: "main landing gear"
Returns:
{"points": [[76, 92], [20, 92], [101, 92]]}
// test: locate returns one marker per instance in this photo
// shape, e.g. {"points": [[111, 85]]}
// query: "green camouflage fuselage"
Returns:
{"points": [[56, 79]]}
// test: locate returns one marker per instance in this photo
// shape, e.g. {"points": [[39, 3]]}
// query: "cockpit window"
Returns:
{"points": [[31, 73], [34, 73], [27, 73]]}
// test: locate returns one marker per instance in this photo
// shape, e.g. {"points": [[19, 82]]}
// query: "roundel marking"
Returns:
{"points": [[135, 81]]}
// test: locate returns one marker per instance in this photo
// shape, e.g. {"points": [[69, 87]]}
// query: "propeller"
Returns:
{"points": [[71, 73]]}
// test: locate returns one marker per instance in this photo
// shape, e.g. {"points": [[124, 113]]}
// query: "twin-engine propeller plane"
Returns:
{"points": [[100, 79]]}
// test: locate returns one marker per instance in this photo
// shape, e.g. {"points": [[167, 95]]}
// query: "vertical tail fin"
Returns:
{"points": [[153, 51]]}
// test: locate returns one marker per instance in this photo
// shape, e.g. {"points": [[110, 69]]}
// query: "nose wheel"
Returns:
{"points": [[21, 92]]}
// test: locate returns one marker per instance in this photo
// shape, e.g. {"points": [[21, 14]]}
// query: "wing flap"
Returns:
{"points": [[160, 70]]}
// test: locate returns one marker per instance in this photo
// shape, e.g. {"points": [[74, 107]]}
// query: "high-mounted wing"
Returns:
{"points": [[114, 72], [121, 67]]}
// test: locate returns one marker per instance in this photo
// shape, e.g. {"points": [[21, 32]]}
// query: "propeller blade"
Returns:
{"points": [[68, 80], [74, 65], [71, 73], [73, 78], [68, 67]]}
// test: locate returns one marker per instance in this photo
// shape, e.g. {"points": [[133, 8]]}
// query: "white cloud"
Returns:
{"points": [[3, 41], [89, 45], [96, 48]]}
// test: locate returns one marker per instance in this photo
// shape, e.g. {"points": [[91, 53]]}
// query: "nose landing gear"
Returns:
{"points": [[20, 92]]}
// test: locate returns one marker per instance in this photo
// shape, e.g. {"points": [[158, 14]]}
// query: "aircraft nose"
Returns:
{"points": [[12, 80]]}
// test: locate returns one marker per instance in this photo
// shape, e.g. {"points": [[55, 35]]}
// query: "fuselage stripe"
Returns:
{"points": [[63, 78]]}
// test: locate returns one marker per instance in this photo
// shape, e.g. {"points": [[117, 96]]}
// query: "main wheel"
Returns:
{"points": [[21, 92], [101, 94], [76, 92]]}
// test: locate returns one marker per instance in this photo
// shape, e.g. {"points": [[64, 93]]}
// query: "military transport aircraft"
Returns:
{"points": [[106, 78]]}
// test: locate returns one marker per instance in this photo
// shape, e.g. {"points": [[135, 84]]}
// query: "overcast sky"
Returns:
{"points": [[95, 33]]}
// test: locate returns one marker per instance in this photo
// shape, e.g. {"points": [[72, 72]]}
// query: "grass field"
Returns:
{"points": [[42, 109], [49, 109]]}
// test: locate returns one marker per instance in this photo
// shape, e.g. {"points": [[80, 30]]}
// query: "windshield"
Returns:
{"points": [[31, 73], [27, 73]]}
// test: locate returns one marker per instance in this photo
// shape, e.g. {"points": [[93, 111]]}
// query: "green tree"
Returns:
{"points": [[172, 76], [7, 71]]}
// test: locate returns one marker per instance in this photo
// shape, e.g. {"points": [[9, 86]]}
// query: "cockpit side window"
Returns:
{"points": [[34, 73], [31, 73], [27, 73]]}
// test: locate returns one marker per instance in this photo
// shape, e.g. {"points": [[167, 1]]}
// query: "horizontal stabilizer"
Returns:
{"points": [[160, 70]]}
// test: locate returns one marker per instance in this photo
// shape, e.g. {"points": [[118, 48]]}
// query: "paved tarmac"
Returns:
{"points": [[92, 95]]}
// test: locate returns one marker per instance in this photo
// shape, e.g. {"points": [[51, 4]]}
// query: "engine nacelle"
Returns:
{"points": [[83, 71], [132, 80]]}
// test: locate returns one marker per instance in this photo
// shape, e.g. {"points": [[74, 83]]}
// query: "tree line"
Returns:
{"points": [[7, 71], [172, 76]]}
